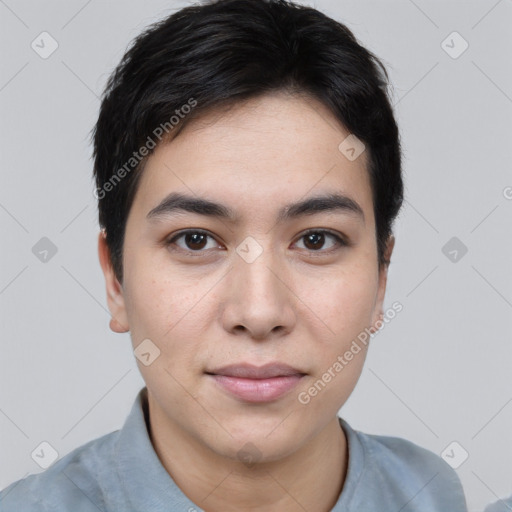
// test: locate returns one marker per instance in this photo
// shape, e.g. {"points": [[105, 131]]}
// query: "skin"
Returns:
{"points": [[292, 304]]}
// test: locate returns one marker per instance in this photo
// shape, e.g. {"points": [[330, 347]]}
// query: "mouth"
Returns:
{"points": [[257, 384]]}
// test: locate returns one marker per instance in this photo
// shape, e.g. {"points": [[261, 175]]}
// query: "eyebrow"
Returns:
{"points": [[177, 203]]}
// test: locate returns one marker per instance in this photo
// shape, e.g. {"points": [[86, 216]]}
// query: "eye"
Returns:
{"points": [[193, 240], [315, 239], [196, 241]]}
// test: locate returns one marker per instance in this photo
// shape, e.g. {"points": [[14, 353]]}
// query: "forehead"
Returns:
{"points": [[257, 156]]}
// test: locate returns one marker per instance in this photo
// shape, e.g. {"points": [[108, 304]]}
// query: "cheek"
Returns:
{"points": [[165, 308], [148, 292], [344, 303]]}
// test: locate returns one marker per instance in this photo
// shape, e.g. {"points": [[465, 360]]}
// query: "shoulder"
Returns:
{"points": [[403, 454], [72, 483], [504, 505], [406, 474]]}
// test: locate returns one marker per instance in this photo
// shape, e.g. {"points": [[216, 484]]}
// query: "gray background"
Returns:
{"points": [[439, 372]]}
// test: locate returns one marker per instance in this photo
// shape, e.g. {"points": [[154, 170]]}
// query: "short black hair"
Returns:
{"points": [[217, 54]]}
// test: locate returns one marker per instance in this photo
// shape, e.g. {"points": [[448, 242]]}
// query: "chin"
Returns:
{"points": [[265, 441]]}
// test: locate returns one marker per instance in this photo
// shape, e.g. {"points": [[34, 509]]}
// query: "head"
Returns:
{"points": [[238, 226]]}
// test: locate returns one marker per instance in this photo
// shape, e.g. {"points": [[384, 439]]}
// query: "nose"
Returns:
{"points": [[258, 302]]}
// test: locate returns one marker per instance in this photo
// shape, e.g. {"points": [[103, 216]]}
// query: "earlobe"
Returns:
{"points": [[383, 276], [116, 326], [389, 250], [375, 327], [115, 297]]}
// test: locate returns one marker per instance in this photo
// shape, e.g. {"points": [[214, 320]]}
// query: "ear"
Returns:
{"points": [[383, 277], [115, 297]]}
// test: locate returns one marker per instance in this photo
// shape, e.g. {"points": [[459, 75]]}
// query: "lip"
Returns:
{"points": [[257, 384], [250, 371]]}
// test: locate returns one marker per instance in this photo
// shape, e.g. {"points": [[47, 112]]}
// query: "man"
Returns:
{"points": [[248, 173]]}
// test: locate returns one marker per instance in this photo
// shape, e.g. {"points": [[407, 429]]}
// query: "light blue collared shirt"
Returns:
{"points": [[121, 472], [504, 505]]}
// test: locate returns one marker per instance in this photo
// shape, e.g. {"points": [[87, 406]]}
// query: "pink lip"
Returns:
{"points": [[257, 384]]}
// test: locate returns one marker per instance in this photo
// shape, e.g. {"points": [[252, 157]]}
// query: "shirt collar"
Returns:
{"points": [[355, 470], [146, 482]]}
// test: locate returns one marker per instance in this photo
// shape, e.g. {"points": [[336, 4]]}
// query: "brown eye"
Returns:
{"points": [[192, 241], [195, 241], [315, 240]]}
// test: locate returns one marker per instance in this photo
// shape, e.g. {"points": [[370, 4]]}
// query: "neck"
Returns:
{"points": [[301, 481]]}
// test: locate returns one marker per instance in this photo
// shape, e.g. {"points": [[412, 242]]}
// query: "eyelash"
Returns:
{"points": [[341, 242]]}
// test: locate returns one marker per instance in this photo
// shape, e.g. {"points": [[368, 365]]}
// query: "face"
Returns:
{"points": [[277, 293]]}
